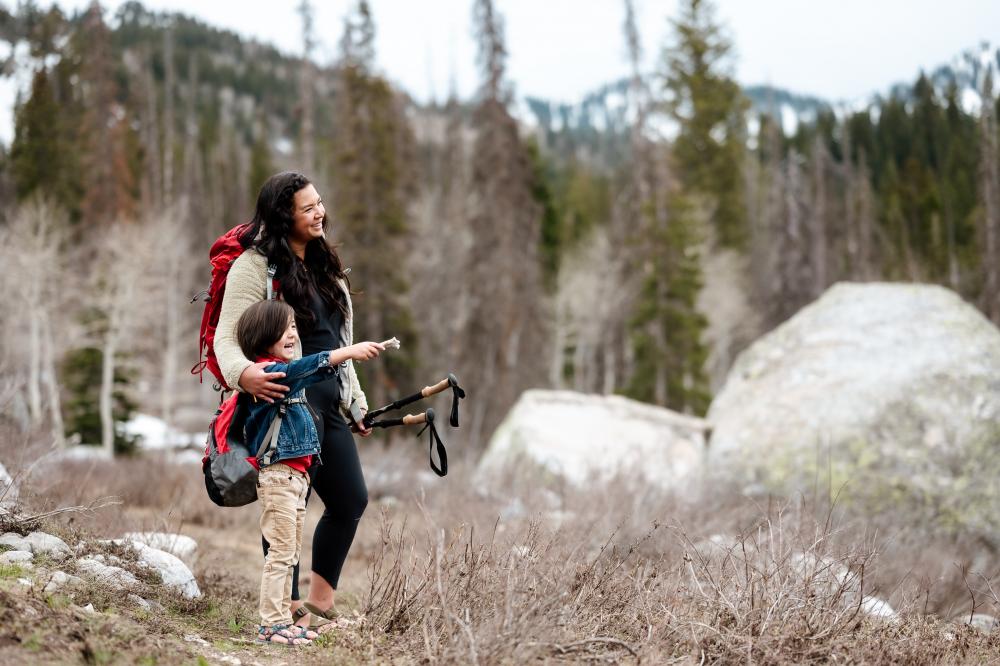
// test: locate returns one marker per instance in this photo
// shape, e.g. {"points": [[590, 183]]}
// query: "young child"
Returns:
{"points": [[283, 436]]}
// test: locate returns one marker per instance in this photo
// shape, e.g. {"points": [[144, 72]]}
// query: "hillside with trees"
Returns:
{"points": [[548, 251]]}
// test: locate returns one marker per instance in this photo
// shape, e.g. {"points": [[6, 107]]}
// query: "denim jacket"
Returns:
{"points": [[297, 436]]}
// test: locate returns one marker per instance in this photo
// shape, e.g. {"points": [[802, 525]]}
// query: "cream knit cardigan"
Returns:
{"points": [[246, 284]]}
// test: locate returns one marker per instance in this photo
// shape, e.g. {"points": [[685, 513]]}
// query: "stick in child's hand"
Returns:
{"points": [[391, 343]]}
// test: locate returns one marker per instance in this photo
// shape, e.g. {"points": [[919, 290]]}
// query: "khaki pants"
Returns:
{"points": [[282, 493]]}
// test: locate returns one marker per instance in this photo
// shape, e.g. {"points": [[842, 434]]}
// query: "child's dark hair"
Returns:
{"points": [[261, 325]]}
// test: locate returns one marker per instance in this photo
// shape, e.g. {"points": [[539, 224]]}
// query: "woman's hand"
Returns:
{"points": [[365, 351], [364, 432], [259, 384]]}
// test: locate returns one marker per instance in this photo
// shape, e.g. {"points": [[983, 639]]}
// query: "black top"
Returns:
{"points": [[325, 334]]}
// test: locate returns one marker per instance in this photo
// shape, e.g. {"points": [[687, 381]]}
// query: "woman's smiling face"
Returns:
{"points": [[308, 214]]}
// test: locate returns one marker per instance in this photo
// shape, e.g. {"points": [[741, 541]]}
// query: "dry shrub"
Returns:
{"points": [[781, 584]]}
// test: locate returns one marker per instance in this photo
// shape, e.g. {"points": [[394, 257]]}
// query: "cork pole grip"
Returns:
{"points": [[428, 391], [413, 419]]}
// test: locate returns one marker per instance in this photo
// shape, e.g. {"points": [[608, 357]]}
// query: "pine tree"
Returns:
{"points": [[665, 328], [37, 151], [709, 107]]}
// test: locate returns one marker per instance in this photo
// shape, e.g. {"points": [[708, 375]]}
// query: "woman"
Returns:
{"points": [[288, 234]]}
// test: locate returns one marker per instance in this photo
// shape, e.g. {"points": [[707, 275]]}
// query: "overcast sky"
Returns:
{"points": [[562, 49]]}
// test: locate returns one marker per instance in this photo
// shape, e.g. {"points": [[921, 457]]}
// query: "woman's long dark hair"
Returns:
{"points": [[299, 279]]}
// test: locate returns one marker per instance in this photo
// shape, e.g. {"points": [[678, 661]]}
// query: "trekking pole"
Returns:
{"points": [[458, 393], [414, 419]]}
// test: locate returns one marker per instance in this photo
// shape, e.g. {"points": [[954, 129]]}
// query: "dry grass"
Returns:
{"points": [[444, 572]]}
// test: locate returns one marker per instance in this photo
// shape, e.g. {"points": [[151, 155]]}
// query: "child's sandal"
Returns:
{"points": [[303, 632], [280, 634]]}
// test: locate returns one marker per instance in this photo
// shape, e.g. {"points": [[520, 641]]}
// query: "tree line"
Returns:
{"points": [[486, 249]]}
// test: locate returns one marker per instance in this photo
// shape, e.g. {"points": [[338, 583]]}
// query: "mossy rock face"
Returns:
{"points": [[884, 393]]}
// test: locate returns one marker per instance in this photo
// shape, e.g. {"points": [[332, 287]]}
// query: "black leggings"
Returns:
{"points": [[339, 482]]}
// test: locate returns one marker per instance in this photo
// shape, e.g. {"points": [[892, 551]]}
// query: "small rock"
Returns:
{"points": [[58, 580], [173, 572], [114, 576], [15, 557], [178, 545], [875, 607], [229, 659], [8, 489], [983, 622], [46, 544], [195, 638], [25, 581], [15, 541], [140, 602], [89, 609]]}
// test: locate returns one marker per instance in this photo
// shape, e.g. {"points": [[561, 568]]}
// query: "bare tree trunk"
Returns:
{"points": [[818, 218], [154, 159], [850, 208], [610, 366], [172, 305], [307, 136], [558, 345], [866, 220], [105, 404], [169, 85], [34, 356], [580, 364], [51, 380], [989, 199]]}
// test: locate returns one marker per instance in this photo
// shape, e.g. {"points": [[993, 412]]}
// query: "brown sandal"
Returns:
{"points": [[320, 619]]}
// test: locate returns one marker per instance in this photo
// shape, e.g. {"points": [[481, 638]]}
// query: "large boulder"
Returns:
{"points": [[576, 438], [890, 389]]}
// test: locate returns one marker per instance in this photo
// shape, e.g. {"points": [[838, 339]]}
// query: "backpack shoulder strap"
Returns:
{"points": [[271, 272]]}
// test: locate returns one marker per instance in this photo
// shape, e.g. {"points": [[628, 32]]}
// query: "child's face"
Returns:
{"points": [[284, 348]]}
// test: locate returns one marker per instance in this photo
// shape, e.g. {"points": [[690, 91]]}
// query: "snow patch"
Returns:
{"points": [[156, 434]]}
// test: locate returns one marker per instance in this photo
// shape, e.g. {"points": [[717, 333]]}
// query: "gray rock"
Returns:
{"points": [[107, 558], [15, 557], [140, 602], [60, 579], [173, 572], [15, 541], [9, 491], [884, 385], [46, 544], [983, 622], [116, 577], [879, 609], [581, 439], [179, 545]]}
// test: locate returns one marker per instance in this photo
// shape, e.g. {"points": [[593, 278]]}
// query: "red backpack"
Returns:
{"points": [[224, 252]]}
